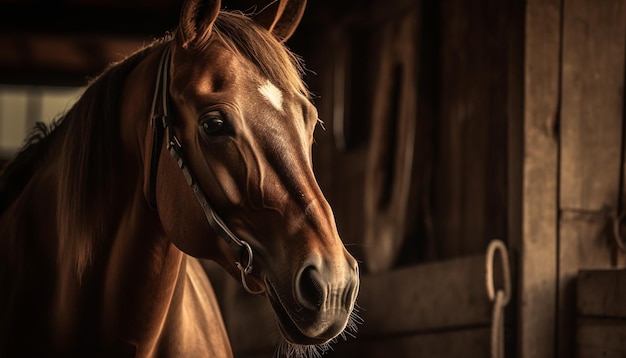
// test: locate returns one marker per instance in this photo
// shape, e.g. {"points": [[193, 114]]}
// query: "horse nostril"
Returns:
{"points": [[309, 289]]}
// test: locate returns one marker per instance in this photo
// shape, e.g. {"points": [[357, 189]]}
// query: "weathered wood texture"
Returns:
{"points": [[601, 338], [470, 182], [443, 295], [592, 105], [389, 163], [601, 293], [468, 343], [538, 249], [601, 313]]}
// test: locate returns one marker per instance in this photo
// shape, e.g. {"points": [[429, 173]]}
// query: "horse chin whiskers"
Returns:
{"points": [[290, 350], [287, 349]]}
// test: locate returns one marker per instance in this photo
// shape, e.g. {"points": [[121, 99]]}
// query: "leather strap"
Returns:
{"points": [[158, 121], [162, 122]]}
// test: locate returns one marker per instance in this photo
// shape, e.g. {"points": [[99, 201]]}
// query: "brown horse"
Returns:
{"points": [[197, 146]]}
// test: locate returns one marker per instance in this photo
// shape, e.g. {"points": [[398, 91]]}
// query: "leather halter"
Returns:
{"points": [[162, 122]]}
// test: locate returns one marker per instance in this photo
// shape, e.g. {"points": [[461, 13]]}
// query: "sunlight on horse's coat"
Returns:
{"points": [[272, 94]]}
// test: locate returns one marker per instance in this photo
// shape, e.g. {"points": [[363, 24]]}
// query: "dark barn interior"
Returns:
{"points": [[447, 125]]}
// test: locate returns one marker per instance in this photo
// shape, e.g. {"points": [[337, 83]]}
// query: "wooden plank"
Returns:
{"points": [[538, 269], [470, 172], [584, 244], [452, 344], [601, 338], [591, 143], [601, 293], [592, 103], [433, 296]]}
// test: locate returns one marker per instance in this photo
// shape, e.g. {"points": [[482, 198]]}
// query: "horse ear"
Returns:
{"points": [[281, 17], [196, 20]]}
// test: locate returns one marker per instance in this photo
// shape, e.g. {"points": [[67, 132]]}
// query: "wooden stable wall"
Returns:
{"points": [[591, 160], [572, 161]]}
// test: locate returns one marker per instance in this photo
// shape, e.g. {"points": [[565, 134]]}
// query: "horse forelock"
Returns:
{"points": [[274, 60]]}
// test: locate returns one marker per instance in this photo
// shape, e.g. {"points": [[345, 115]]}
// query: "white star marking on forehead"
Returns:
{"points": [[272, 94]]}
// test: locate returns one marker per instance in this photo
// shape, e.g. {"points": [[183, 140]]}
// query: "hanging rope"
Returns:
{"points": [[500, 297]]}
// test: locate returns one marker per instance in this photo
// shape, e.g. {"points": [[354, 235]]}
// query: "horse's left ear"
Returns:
{"points": [[196, 20], [281, 17]]}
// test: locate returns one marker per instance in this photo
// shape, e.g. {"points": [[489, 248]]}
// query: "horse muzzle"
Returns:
{"points": [[318, 305]]}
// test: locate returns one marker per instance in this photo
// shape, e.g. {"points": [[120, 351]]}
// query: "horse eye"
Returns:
{"points": [[213, 123]]}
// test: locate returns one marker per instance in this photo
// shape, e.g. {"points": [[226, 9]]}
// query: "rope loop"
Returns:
{"points": [[498, 245], [499, 297], [497, 326]]}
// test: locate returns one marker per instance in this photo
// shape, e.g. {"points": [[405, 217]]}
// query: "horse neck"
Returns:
{"points": [[144, 272]]}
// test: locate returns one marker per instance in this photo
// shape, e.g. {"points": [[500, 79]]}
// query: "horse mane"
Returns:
{"points": [[92, 123]]}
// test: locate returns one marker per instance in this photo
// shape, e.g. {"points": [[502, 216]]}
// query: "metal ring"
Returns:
{"points": [[247, 269]]}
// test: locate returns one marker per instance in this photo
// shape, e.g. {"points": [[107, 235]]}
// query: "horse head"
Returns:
{"points": [[240, 124]]}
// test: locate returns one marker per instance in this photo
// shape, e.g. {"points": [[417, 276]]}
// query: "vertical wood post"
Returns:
{"points": [[538, 261], [592, 104]]}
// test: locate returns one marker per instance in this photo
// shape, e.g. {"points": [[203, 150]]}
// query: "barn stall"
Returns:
{"points": [[468, 146]]}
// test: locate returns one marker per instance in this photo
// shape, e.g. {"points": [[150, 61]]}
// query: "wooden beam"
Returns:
{"points": [[538, 252], [67, 60], [592, 103], [430, 297]]}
